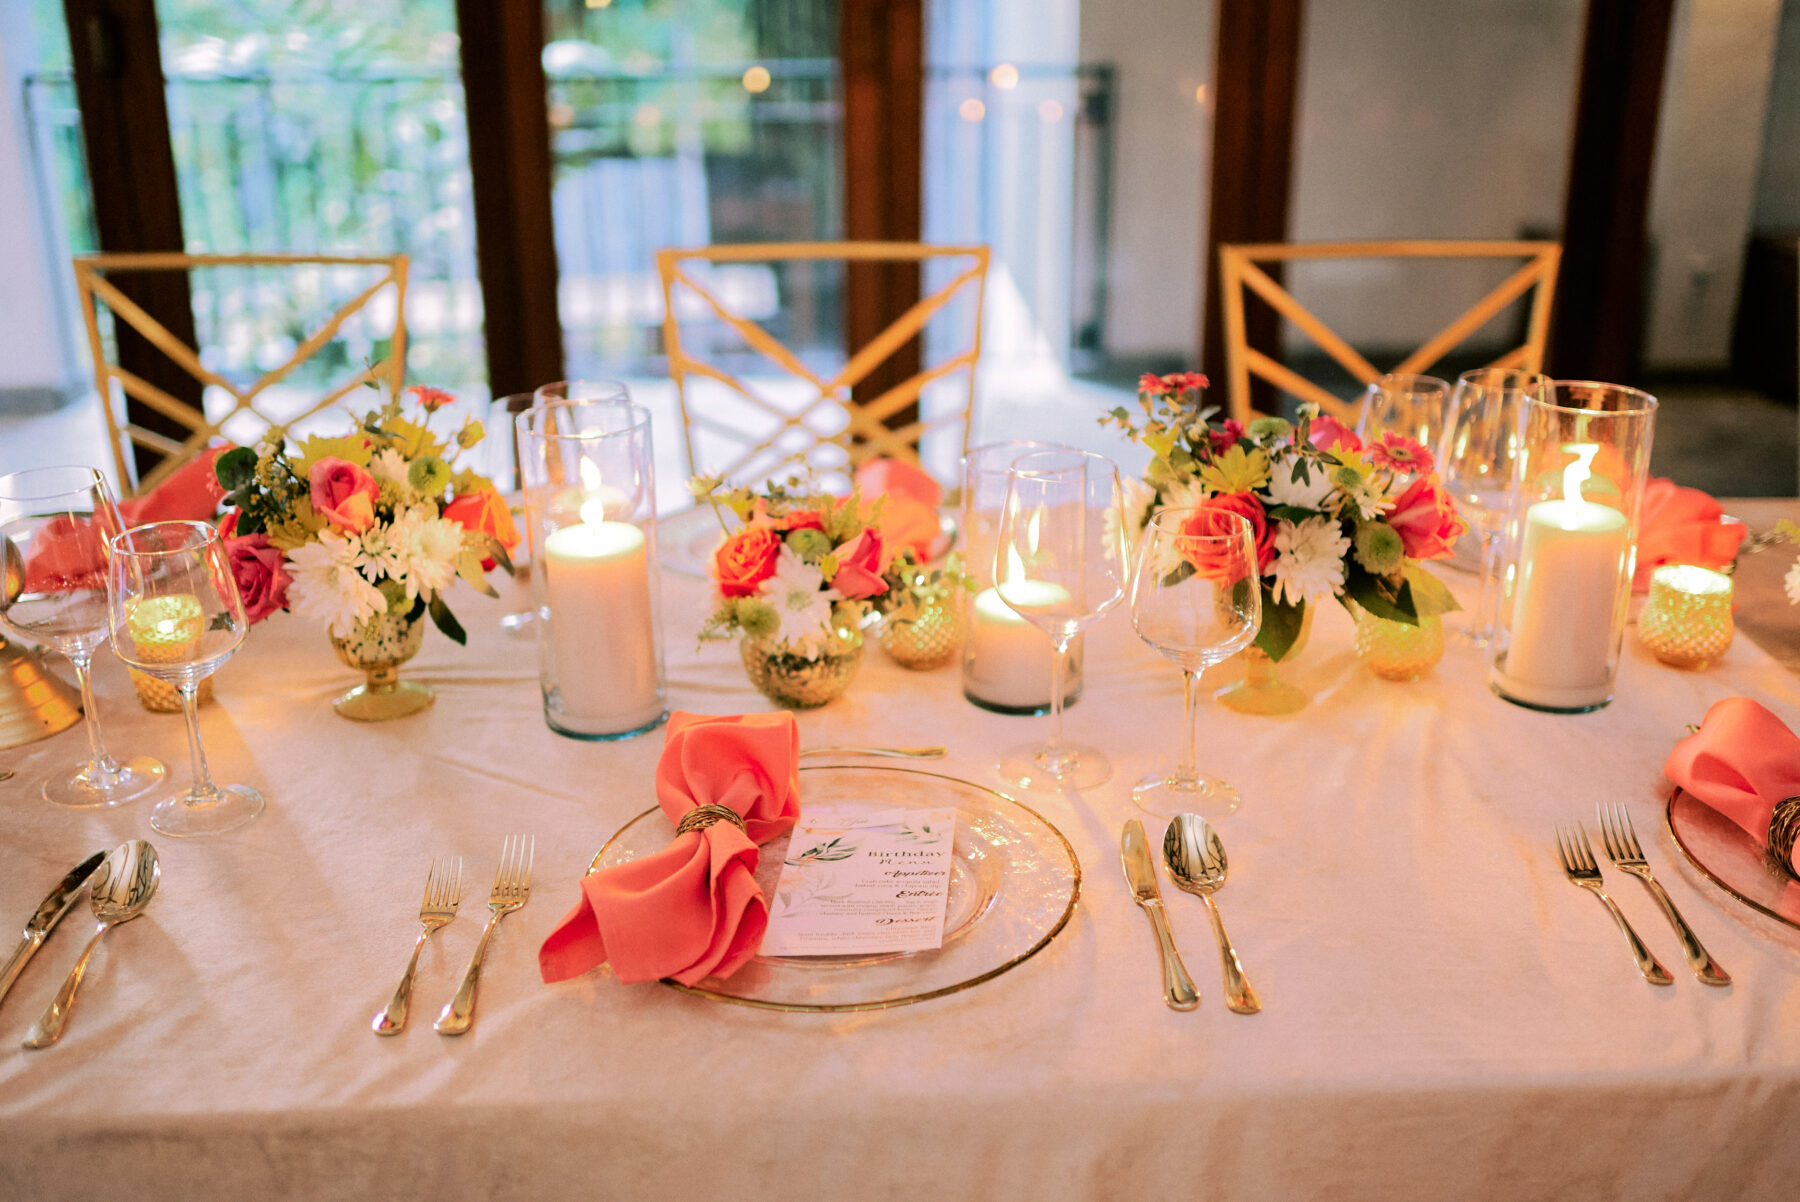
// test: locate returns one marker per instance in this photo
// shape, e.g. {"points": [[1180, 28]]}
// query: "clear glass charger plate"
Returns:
{"points": [[1727, 855], [1014, 881], [685, 541]]}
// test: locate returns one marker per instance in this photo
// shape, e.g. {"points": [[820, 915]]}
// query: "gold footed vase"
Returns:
{"points": [[378, 647], [1262, 691], [927, 641], [793, 681], [35, 703]]}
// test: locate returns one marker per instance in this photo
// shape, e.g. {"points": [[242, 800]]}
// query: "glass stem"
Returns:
{"points": [[1489, 545], [1052, 754], [204, 791], [103, 763], [1190, 752]]}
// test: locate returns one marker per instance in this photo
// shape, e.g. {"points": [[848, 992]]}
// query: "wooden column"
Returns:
{"points": [[1256, 72], [882, 51], [509, 160], [131, 173], [1599, 295]]}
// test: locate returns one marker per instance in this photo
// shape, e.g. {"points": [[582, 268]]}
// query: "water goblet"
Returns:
{"points": [[502, 466], [176, 615], [61, 521], [1481, 443], [1400, 403], [1196, 599], [1061, 563]]}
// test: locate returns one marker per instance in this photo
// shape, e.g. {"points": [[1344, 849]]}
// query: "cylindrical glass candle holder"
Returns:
{"points": [[590, 499], [1570, 545], [1686, 622], [1007, 662]]}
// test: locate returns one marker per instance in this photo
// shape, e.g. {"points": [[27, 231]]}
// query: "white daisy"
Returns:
{"points": [[1283, 489], [1309, 560], [1363, 493], [424, 547], [389, 465], [797, 591], [327, 586]]}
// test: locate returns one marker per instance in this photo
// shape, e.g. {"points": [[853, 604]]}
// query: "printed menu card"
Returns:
{"points": [[862, 879]]}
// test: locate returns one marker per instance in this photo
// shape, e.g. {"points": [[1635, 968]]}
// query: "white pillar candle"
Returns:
{"points": [[602, 629], [1010, 661], [1564, 630]]}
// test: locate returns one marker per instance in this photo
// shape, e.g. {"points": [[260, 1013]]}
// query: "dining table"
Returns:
{"points": [[1444, 1014]]}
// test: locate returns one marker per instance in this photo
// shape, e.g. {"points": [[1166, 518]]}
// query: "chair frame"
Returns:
{"points": [[867, 420], [1238, 270], [91, 282]]}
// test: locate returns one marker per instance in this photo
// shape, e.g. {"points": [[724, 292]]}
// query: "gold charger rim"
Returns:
{"points": [[1043, 941], [1708, 873]]}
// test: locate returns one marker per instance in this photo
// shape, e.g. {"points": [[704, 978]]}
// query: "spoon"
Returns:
{"points": [[120, 889], [1196, 861]]}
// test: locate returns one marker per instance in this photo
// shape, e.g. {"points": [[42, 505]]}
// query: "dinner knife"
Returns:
{"points": [[45, 918], [1140, 874]]}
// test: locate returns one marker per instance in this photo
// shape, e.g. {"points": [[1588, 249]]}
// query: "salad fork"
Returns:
{"points": [[443, 893], [512, 889], [1621, 843], [1577, 857]]}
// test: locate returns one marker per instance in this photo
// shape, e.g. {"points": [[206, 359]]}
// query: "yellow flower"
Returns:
{"points": [[1237, 470]]}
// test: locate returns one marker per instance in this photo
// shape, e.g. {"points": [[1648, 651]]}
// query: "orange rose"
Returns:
{"points": [[745, 560], [484, 512], [803, 519]]}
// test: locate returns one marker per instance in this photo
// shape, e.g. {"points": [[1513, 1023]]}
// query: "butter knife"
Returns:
{"points": [[1140, 874], [45, 918]]}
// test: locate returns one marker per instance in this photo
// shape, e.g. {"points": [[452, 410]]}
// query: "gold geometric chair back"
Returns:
{"points": [[1239, 271], [759, 434], [95, 289]]}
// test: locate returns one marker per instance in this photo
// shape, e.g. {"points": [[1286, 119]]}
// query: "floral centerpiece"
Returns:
{"points": [[377, 522], [1334, 518]]}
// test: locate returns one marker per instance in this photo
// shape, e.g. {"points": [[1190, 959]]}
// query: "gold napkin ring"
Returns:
{"points": [[1784, 825], [701, 817]]}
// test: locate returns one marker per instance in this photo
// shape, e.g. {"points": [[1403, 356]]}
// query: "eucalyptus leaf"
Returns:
{"points": [[236, 468]]}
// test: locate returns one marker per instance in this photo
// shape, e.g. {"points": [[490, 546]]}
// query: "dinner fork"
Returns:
{"points": [[1577, 857], [443, 893], [1621, 843], [512, 889]]}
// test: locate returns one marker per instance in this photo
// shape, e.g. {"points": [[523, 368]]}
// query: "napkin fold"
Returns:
{"points": [[909, 519], [1742, 762], [1682, 525], [694, 909]]}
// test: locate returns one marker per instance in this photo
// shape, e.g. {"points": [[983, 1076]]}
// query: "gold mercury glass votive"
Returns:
{"points": [[1686, 623], [166, 630], [1396, 650]]}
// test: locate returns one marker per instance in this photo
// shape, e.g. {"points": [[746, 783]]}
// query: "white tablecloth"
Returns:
{"points": [[1446, 1017]]}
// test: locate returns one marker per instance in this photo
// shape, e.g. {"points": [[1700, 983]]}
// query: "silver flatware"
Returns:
{"points": [[1620, 840], [1140, 874], [898, 753], [118, 892], [1578, 865], [443, 893], [512, 889], [1195, 857], [43, 920]]}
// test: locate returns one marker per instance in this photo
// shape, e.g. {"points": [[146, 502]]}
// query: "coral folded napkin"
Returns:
{"points": [[1682, 525], [693, 909], [1742, 762]]}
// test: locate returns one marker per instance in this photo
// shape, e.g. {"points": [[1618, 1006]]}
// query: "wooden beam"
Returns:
{"points": [[1256, 72], [1599, 302], [509, 161], [131, 174], [882, 51]]}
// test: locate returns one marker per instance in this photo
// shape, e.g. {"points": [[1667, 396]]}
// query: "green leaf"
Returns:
{"points": [[1291, 513], [1280, 626], [1382, 596], [1181, 572], [1430, 595], [446, 622], [236, 468]]}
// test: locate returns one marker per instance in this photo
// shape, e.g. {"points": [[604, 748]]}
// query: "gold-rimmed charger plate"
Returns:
{"points": [[1014, 881], [1727, 855]]}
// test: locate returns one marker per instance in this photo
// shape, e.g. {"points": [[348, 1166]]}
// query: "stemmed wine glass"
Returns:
{"points": [[1196, 599], [1061, 563], [176, 615], [1481, 443], [1400, 403], [62, 520], [504, 473]]}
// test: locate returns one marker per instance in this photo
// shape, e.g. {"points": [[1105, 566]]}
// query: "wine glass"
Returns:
{"points": [[61, 520], [176, 615], [1400, 403], [1481, 443], [1196, 599], [501, 463], [1061, 563]]}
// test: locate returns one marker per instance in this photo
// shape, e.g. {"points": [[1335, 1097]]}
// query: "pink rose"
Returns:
{"points": [[261, 574], [343, 494], [1226, 436], [859, 567], [1426, 520], [1329, 434]]}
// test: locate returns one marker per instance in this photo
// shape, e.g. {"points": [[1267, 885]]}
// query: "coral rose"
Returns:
{"points": [[261, 574], [802, 519], [343, 494], [1329, 434], [860, 564], [1212, 560], [1247, 506], [745, 560], [1426, 520], [484, 512]]}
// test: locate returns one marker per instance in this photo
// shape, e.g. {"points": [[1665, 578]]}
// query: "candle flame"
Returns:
{"points": [[593, 504], [1015, 567], [1579, 470]]}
